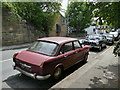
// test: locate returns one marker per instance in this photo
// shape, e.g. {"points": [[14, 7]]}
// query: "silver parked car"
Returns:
{"points": [[116, 35], [95, 41], [110, 38]]}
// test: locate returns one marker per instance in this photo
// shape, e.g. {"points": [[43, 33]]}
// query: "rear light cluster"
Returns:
{"points": [[15, 55], [41, 65]]}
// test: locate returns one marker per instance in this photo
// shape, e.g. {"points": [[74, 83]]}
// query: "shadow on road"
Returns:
{"points": [[97, 50], [23, 81]]}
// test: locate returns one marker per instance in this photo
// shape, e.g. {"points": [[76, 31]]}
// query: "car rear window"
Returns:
{"points": [[43, 47], [67, 47]]}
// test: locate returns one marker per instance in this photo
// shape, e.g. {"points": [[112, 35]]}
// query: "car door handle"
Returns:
{"points": [[65, 56], [76, 52]]}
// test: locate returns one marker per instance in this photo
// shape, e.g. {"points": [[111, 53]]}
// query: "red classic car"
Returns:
{"points": [[50, 56]]}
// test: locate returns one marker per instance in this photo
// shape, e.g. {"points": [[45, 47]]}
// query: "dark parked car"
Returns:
{"points": [[95, 41], [50, 57]]}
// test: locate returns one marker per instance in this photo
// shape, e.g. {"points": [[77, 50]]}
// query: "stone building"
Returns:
{"points": [[14, 33], [60, 28]]}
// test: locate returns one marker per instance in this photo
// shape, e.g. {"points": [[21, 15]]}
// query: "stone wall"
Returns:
{"points": [[77, 34], [14, 33]]}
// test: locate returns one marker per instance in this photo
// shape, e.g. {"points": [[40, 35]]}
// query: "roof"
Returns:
{"points": [[62, 14], [58, 40]]}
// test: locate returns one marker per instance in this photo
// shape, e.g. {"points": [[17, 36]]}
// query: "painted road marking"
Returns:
{"points": [[102, 52], [5, 60]]}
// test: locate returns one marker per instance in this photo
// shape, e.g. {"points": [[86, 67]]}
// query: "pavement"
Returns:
{"points": [[12, 47], [101, 72]]}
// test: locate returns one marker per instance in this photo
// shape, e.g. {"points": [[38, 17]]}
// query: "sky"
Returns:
{"points": [[64, 6]]}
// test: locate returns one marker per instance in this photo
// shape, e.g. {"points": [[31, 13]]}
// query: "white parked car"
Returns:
{"points": [[116, 35], [110, 38], [118, 30]]}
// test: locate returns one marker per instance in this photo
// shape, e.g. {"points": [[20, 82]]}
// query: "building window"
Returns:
{"points": [[58, 28], [63, 21]]}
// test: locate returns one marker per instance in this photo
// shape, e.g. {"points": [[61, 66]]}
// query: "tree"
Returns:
{"points": [[79, 14], [108, 11], [41, 14]]}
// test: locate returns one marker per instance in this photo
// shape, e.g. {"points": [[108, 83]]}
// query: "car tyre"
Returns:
{"points": [[100, 48], [112, 42], [57, 73], [85, 58], [105, 46]]}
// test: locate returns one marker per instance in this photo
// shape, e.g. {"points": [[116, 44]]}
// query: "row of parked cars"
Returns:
{"points": [[51, 56], [100, 40]]}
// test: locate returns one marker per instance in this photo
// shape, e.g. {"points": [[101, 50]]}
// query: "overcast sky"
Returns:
{"points": [[64, 4]]}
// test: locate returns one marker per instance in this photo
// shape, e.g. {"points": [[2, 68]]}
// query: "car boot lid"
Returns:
{"points": [[32, 57]]}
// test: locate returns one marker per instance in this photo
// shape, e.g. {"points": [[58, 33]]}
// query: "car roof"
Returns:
{"points": [[108, 34], [58, 40], [94, 35], [113, 32]]}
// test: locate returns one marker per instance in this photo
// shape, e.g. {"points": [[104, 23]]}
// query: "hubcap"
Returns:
{"points": [[57, 73], [100, 48], [86, 57]]}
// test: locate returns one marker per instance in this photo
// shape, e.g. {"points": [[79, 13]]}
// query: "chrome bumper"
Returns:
{"points": [[32, 75], [109, 41]]}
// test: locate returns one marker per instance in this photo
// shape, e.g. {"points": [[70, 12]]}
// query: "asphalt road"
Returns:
{"points": [[7, 54], [12, 79]]}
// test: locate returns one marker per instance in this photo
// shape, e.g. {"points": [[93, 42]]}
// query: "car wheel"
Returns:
{"points": [[57, 73], [105, 46], [85, 58], [112, 42], [100, 48]]}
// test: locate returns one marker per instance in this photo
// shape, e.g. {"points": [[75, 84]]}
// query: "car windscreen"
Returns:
{"points": [[43, 47], [94, 37], [110, 36]]}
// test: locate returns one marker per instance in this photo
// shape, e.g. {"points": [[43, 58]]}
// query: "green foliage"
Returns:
{"points": [[108, 11], [79, 14], [13, 9], [42, 14]]}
